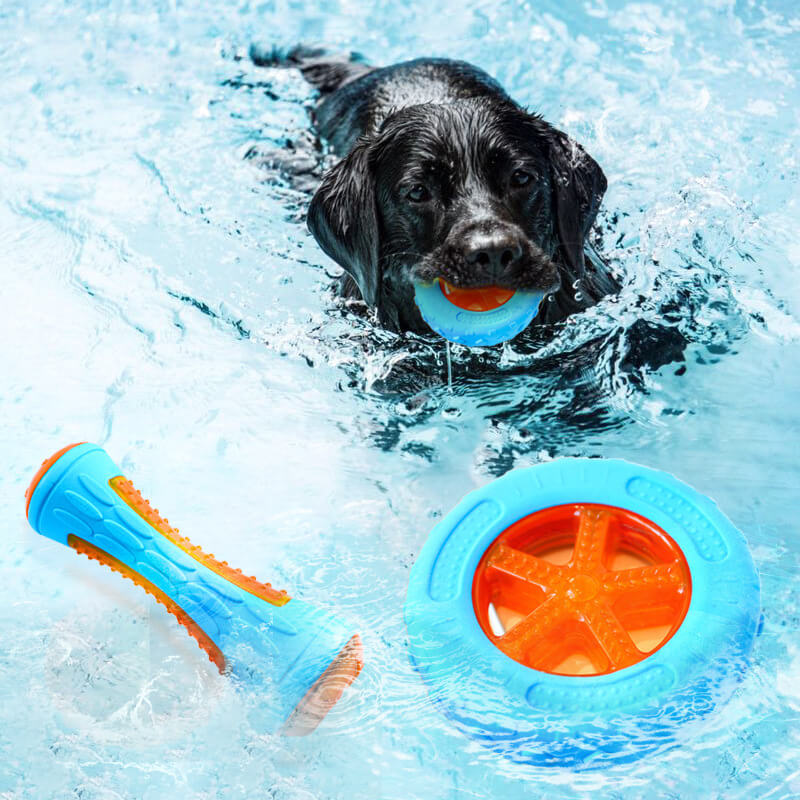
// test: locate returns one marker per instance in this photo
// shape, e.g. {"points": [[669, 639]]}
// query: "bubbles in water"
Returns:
{"points": [[115, 682]]}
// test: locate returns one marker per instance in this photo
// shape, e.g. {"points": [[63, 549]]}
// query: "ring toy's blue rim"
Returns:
{"points": [[475, 328], [476, 684]]}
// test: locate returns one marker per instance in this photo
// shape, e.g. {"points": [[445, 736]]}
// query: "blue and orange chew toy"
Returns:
{"points": [[79, 498], [581, 612], [475, 317]]}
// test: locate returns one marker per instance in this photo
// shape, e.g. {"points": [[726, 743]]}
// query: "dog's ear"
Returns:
{"points": [[578, 187], [343, 218]]}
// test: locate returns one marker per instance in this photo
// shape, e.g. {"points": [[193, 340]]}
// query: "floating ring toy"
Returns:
{"points": [[579, 612], [476, 317], [79, 498]]}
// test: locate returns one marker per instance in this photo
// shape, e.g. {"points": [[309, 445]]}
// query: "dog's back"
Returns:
{"points": [[355, 98], [428, 150]]}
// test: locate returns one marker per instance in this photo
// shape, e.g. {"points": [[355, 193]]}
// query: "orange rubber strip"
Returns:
{"points": [[46, 464], [203, 640], [126, 490], [484, 298], [327, 690]]}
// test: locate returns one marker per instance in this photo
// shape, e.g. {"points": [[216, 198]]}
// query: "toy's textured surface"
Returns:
{"points": [[80, 499], [475, 317], [688, 554]]}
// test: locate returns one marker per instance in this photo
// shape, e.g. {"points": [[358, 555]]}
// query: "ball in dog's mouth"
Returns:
{"points": [[482, 298], [476, 316]]}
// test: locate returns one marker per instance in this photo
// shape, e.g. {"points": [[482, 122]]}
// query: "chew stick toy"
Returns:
{"points": [[79, 498]]}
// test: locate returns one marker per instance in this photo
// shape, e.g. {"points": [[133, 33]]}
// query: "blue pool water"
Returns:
{"points": [[161, 296]]}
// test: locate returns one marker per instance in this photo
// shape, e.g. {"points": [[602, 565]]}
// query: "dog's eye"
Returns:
{"points": [[520, 178], [418, 193]]}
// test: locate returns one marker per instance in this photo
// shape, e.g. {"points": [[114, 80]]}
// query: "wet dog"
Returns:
{"points": [[443, 174]]}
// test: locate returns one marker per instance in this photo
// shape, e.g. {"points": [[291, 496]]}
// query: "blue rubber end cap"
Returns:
{"points": [[59, 473]]}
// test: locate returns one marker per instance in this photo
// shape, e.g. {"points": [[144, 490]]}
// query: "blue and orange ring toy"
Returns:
{"points": [[618, 595], [476, 317]]}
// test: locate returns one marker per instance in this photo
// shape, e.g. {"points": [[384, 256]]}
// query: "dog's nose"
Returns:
{"points": [[493, 252]]}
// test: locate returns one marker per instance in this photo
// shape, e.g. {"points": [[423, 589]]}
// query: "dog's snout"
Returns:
{"points": [[493, 252]]}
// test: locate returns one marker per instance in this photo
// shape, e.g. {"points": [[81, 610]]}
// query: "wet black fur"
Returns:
{"points": [[449, 127]]}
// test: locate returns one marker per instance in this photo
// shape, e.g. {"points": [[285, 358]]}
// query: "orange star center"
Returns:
{"points": [[581, 589]]}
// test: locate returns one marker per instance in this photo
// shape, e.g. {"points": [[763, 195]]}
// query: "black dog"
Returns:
{"points": [[442, 174]]}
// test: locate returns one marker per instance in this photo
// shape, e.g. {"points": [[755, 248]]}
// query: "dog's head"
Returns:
{"points": [[479, 193]]}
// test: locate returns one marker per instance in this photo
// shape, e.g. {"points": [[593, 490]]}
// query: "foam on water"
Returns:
{"points": [[160, 295]]}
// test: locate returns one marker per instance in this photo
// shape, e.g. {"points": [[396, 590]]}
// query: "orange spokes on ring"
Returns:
{"points": [[581, 589], [484, 298]]}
